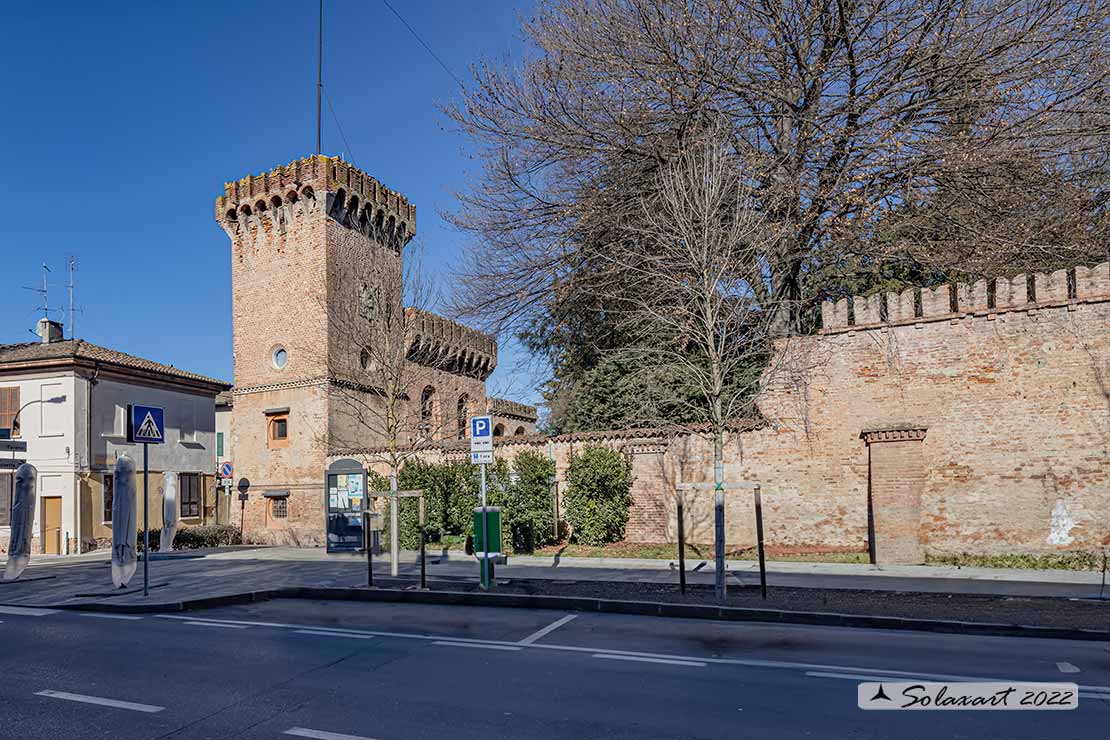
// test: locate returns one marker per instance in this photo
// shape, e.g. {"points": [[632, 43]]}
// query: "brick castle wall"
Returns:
{"points": [[985, 430]]}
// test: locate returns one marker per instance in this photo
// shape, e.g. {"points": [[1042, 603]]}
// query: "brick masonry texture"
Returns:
{"points": [[969, 418], [316, 247], [983, 433]]}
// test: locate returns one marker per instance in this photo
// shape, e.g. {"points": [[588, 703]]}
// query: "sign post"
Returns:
{"points": [[481, 453], [244, 486], [146, 424], [224, 473]]}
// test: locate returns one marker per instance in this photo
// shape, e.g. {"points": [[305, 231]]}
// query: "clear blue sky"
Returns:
{"points": [[122, 120]]}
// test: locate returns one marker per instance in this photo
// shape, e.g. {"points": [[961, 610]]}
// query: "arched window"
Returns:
{"points": [[338, 203], [519, 432], [427, 410], [351, 211], [499, 430], [461, 412], [379, 225]]}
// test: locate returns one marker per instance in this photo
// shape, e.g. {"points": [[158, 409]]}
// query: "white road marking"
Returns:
{"points": [[321, 735], [108, 616], [26, 611], [547, 630], [862, 677], [219, 624], [149, 708], [1067, 668], [476, 645], [328, 634], [667, 661], [746, 662]]}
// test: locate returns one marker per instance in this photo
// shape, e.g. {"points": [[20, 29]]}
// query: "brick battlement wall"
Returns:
{"points": [[266, 205], [1020, 292], [982, 430], [512, 409], [446, 344]]}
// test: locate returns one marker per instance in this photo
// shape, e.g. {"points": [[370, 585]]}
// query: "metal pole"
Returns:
{"points": [[681, 543], [394, 527], [484, 580], [423, 563], [1102, 588], [554, 494], [146, 525], [759, 542], [719, 542], [366, 542], [319, 72]]}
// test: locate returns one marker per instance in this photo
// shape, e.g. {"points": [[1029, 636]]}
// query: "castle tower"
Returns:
{"points": [[310, 242]]}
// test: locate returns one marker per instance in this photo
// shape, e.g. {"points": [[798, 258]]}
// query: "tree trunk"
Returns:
{"points": [[719, 510], [395, 540]]}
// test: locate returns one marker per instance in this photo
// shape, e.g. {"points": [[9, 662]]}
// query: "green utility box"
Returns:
{"points": [[493, 526]]}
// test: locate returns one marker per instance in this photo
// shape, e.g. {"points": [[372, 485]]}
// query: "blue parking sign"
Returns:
{"points": [[146, 424], [481, 434]]}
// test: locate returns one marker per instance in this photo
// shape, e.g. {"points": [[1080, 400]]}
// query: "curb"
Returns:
{"points": [[606, 606]]}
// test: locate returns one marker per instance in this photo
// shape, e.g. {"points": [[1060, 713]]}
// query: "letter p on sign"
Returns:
{"points": [[481, 434]]}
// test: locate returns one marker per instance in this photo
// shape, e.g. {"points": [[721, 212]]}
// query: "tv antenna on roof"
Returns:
{"points": [[45, 307], [71, 266]]}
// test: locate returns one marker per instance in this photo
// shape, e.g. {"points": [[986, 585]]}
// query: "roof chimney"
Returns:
{"points": [[50, 331]]}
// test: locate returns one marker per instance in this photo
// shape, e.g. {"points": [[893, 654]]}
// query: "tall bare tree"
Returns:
{"points": [[380, 408], [842, 111], [693, 295]]}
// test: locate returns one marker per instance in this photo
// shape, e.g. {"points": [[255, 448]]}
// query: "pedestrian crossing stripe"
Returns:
{"points": [[149, 429]]}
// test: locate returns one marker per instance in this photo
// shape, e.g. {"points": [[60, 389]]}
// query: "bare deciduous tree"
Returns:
{"points": [[694, 294], [842, 112], [380, 405]]}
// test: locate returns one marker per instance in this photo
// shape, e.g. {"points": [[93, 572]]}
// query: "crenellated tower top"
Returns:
{"points": [[268, 204]]}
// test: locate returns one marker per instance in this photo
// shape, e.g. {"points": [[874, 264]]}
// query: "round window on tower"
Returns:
{"points": [[279, 357]]}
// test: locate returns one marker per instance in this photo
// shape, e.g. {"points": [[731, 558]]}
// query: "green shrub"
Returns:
{"points": [[213, 535], [598, 496], [453, 489], [528, 518], [193, 538]]}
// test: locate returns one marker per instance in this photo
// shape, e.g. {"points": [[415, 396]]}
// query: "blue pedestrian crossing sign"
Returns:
{"points": [[146, 424]]}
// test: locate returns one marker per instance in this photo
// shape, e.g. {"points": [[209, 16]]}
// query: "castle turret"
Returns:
{"points": [[310, 240]]}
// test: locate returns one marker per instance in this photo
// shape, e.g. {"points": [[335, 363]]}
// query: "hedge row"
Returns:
{"points": [[194, 538], [596, 500]]}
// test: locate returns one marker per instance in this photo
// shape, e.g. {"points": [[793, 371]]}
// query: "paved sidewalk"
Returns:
{"points": [[228, 571], [923, 578]]}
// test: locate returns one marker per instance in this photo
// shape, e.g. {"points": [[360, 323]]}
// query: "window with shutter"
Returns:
{"points": [[9, 407]]}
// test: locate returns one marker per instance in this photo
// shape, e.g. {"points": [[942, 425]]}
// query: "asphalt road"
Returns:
{"points": [[335, 670]]}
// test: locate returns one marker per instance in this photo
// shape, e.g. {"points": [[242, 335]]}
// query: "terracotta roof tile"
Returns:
{"points": [[29, 352]]}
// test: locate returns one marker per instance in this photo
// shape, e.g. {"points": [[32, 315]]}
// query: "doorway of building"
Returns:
{"points": [[52, 525]]}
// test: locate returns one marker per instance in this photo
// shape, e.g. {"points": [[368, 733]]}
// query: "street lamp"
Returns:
{"points": [[6, 432]]}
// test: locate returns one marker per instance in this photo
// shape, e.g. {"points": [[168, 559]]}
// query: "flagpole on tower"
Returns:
{"points": [[319, 72]]}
